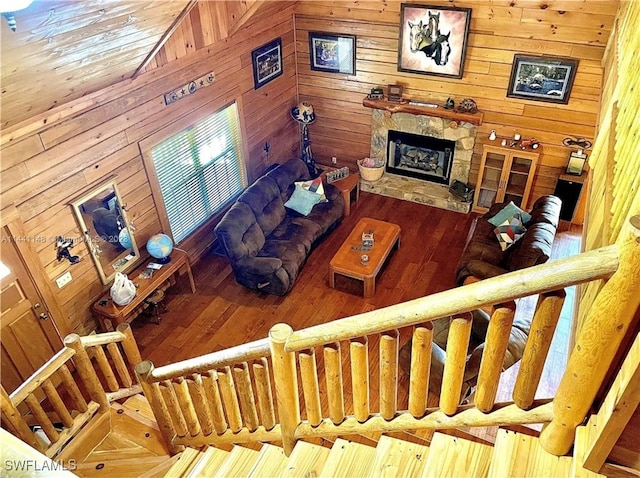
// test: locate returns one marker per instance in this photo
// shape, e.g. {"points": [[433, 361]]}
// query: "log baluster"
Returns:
{"points": [[129, 345], [604, 329], [247, 400], [41, 417], [310, 387], [453, 376], [173, 407], [12, 417], [120, 365], [186, 405], [105, 368], [286, 383], [420, 369], [151, 390], [335, 387], [359, 349], [212, 391], [265, 395], [230, 399], [72, 388], [389, 374], [57, 403], [543, 327], [495, 347], [198, 396], [87, 372]]}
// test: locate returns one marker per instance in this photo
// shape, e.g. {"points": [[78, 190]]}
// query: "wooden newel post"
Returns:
{"points": [[16, 423], [604, 328], [286, 384], [87, 372], [129, 344], [160, 412]]}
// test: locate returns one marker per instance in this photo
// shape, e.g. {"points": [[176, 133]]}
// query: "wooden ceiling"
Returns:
{"points": [[63, 50]]}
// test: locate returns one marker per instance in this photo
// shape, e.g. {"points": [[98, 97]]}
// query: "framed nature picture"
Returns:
{"points": [[542, 78], [332, 52], [433, 39], [267, 63]]}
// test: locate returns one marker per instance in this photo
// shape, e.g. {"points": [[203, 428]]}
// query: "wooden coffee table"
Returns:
{"points": [[347, 261]]}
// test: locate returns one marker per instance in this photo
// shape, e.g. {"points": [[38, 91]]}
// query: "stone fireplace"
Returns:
{"points": [[424, 154]]}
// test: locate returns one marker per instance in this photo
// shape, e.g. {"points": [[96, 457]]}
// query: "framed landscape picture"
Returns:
{"points": [[433, 39], [542, 78], [267, 63], [332, 52]]}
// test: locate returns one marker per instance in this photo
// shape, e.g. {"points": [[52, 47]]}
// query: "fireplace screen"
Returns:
{"points": [[418, 156]]}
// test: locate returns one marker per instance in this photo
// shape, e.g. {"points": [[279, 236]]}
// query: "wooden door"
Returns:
{"points": [[28, 337]]}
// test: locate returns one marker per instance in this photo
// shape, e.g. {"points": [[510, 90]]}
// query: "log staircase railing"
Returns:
{"points": [[209, 399], [65, 409]]}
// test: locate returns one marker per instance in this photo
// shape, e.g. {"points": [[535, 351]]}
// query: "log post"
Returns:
{"points": [[265, 396], [333, 376], [87, 372], [230, 399], [286, 383], [420, 368], [245, 395], [72, 388], [120, 365], [129, 345], [151, 390], [105, 368], [57, 403], [42, 418], [212, 391], [389, 374], [455, 362], [604, 329], [495, 348], [543, 326], [310, 387], [360, 378], [16, 423], [199, 399]]}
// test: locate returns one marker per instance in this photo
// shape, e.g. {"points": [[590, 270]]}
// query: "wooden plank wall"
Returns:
{"points": [[499, 29], [52, 158]]}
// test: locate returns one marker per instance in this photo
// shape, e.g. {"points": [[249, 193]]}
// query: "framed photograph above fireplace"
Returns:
{"points": [[542, 78], [433, 39]]}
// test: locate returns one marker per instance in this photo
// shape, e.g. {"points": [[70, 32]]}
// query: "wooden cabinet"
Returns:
{"points": [[506, 174]]}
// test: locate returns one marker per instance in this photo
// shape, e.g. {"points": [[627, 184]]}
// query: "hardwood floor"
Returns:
{"points": [[222, 313]]}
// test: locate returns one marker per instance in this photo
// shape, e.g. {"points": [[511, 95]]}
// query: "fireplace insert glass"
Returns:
{"points": [[419, 156]]}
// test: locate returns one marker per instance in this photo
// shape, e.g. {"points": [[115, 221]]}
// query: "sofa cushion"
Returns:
{"points": [[292, 254], [508, 211], [288, 173], [297, 229], [240, 233], [509, 231], [546, 209], [534, 247], [302, 200], [263, 197]]}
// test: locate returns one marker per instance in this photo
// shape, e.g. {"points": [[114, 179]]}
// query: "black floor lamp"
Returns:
{"points": [[303, 114]]}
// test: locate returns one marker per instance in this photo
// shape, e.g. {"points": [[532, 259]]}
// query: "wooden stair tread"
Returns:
{"points": [[238, 463], [454, 456], [162, 469], [122, 468], [187, 459], [395, 457], [307, 459], [348, 459], [522, 455], [579, 449], [271, 462], [208, 463], [89, 437], [139, 404]]}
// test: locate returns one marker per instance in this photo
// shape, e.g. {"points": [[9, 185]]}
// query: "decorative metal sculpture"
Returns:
{"points": [[303, 114]]}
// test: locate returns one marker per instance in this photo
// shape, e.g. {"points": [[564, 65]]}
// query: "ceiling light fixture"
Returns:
{"points": [[8, 9]]}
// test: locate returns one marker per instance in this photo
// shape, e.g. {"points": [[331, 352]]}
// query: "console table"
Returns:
{"points": [[110, 314]]}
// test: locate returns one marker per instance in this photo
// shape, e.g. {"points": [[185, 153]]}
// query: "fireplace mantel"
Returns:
{"points": [[440, 112]]}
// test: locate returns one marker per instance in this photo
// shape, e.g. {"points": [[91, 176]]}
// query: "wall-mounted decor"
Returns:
{"points": [[542, 78], [189, 89], [332, 52], [267, 63], [433, 39]]}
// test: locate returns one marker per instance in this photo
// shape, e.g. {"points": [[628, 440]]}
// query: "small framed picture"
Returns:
{"points": [[395, 93], [541, 78], [332, 52], [576, 163], [267, 63]]}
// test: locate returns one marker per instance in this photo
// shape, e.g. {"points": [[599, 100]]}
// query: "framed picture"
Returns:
{"points": [[267, 63], [332, 52], [542, 78], [433, 39]]}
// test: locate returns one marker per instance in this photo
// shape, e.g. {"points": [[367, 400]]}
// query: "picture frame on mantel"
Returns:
{"points": [[332, 52], [267, 63], [542, 78], [433, 39]]}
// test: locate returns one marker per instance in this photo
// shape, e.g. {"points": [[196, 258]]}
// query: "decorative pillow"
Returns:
{"points": [[302, 201], [510, 231], [315, 186], [508, 211]]}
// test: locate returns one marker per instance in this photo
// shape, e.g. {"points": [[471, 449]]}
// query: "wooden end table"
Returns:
{"points": [[110, 314], [346, 187], [346, 261]]}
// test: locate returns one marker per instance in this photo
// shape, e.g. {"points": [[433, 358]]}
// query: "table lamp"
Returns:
{"points": [[304, 115]]}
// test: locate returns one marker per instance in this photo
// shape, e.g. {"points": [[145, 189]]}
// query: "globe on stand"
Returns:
{"points": [[159, 247], [124, 238]]}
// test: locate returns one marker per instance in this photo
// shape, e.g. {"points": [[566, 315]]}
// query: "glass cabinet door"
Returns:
{"points": [[491, 174], [517, 181]]}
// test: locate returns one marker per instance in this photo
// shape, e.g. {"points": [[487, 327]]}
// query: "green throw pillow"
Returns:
{"points": [[508, 211], [315, 186], [302, 200]]}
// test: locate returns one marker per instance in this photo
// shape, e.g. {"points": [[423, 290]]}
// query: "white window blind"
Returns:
{"points": [[200, 170]]}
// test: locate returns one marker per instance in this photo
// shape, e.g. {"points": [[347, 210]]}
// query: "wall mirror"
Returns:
{"points": [[103, 222]]}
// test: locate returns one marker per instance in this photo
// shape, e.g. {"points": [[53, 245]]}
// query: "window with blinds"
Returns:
{"points": [[200, 170]]}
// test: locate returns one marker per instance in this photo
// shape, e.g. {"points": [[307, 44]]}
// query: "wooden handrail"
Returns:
{"points": [[39, 376], [102, 339], [596, 264]]}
